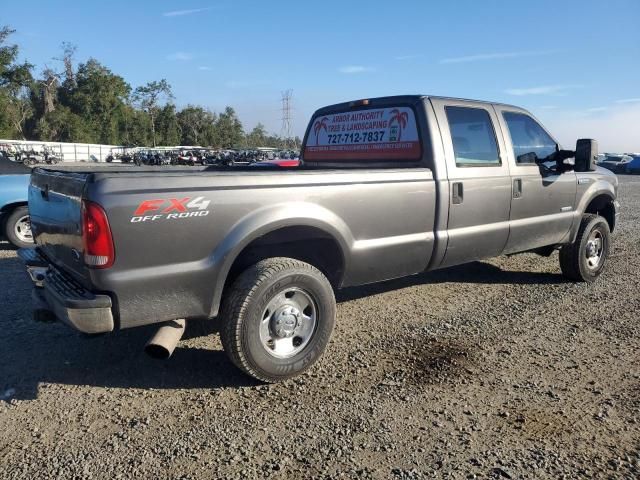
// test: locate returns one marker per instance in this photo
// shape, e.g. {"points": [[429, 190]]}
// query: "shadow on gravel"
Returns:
{"points": [[4, 245], [476, 272], [54, 354], [33, 354]]}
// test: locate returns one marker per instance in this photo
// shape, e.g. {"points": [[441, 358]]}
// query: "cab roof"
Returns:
{"points": [[395, 99]]}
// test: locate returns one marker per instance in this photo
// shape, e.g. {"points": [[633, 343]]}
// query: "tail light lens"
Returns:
{"points": [[96, 237]]}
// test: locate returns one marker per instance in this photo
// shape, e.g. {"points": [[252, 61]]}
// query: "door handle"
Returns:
{"points": [[457, 194], [517, 188]]}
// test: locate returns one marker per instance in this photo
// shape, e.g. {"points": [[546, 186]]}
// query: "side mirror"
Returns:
{"points": [[586, 155]]}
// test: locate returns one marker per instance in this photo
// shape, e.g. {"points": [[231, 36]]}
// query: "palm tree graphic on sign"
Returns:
{"points": [[401, 118], [320, 125]]}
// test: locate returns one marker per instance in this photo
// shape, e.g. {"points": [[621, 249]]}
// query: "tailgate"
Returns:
{"points": [[55, 207]]}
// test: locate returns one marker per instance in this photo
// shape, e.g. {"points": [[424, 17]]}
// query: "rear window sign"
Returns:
{"points": [[373, 134]]}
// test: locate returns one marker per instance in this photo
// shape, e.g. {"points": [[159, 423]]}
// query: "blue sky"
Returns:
{"points": [[574, 64]]}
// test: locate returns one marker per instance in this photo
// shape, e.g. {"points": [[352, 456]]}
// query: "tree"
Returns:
{"points": [[257, 137], [90, 103], [228, 129], [16, 82], [196, 125], [63, 125], [68, 52], [99, 98], [48, 90], [149, 98], [135, 127], [168, 130], [18, 110]]}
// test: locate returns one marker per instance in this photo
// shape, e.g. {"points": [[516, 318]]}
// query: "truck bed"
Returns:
{"points": [[177, 231]]}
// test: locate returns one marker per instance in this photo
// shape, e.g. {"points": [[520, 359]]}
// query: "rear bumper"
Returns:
{"points": [[65, 298]]}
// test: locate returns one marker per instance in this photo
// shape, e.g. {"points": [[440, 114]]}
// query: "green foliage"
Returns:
{"points": [[99, 98], [89, 103], [63, 125], [197, 125], [15, 82], [257, 137], [228, 130], [167, 128]]}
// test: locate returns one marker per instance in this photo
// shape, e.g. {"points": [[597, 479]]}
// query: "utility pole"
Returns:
{"points": [[286, 131]]}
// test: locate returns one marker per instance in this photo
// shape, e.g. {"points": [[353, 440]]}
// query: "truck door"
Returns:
{"points": [[479, 180], [543, 198]]}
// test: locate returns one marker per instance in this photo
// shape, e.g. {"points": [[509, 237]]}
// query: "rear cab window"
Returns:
{"points": [[473, 137], [367, 136]]}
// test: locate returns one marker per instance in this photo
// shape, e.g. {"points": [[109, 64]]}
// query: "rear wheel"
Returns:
{"points": [[584, 259], [18, 228], [277, 318]]}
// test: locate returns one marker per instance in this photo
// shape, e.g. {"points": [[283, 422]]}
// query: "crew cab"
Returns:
{"points": [[386, 187]]}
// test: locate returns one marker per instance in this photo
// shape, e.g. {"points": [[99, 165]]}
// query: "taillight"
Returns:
{"points": [[96, 237]]}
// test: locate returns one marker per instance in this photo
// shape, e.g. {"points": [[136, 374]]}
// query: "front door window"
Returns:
{"points": [[531, 143]]}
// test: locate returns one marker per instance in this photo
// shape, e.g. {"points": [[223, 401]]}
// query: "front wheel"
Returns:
{"points": [[277, 318], [585, 258]]}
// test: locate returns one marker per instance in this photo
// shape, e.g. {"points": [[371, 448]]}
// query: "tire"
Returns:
{"points": [[273, 293], [575, 260], [15, 229]]}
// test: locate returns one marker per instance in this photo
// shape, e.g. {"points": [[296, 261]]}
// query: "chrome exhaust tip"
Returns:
{"points": [[163, 343]]}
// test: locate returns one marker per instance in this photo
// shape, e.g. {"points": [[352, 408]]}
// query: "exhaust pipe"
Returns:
{"points": [[164, 342]]}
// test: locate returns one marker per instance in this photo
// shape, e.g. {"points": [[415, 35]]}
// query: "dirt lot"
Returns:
{"points": [[499, 369]]}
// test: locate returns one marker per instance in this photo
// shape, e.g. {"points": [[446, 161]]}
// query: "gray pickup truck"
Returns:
{"points": [[387, 187]]}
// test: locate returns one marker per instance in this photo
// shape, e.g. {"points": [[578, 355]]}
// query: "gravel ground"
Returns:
{"points": [[498, 369]]}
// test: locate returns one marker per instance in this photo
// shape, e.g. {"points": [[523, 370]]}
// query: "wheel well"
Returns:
{"points": [[308, 244], [11, 206], [603, 205]]}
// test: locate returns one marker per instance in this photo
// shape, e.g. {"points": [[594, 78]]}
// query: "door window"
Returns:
{"points": [[473, 136], [531, 143]]}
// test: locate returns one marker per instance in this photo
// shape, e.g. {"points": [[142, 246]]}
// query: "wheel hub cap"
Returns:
{"points": [[285, 321], [22, 229], [594, 249], [288, 322]]}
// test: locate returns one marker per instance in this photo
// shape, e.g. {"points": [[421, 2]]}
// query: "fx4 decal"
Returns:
{"points": [[170, 209]]}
